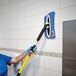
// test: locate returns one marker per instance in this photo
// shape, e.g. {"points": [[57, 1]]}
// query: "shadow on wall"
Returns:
{"points": [[36, 67]]}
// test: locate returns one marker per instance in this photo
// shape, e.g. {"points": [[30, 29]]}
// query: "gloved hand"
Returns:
{"points": [[29, 49]]}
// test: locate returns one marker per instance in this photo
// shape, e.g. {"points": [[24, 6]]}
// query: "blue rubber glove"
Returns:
{"points": [[29, 49]]}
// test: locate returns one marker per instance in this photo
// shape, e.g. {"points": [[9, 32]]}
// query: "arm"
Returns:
{"points": [[18, 58]]}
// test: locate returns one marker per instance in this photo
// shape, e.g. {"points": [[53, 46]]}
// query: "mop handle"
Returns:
{"points": [[31, 51], [42, 31]]}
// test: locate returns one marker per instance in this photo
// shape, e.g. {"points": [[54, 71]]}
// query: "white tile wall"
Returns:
{"points": [[60, 65], [12, 35], [53, 45], [67, 3], [67, 14], [28, 70], [40, 7], [20, 3], [20, 13], [29, 22], [28, 43], [20, 24], [51, 73], [51, 63], [12, 5], [38, 71], [41, 44], [20, 34], [51, 5], [9, 44], [1, 43], [31, 2], [29, 34], [39, 61], [20, 44], [39, 20], [30, 10], [60, 74], [37, 31]]}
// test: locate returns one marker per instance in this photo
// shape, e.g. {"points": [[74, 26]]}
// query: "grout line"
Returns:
{"points": [[59, 25]]}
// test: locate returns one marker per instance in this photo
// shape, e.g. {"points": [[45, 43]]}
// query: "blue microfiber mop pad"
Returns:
{"points": [[51, 17]]}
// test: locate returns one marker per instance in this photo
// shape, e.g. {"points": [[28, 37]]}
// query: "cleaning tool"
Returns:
{"points": [[31, 51], [50, 32], [46, 26]]}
